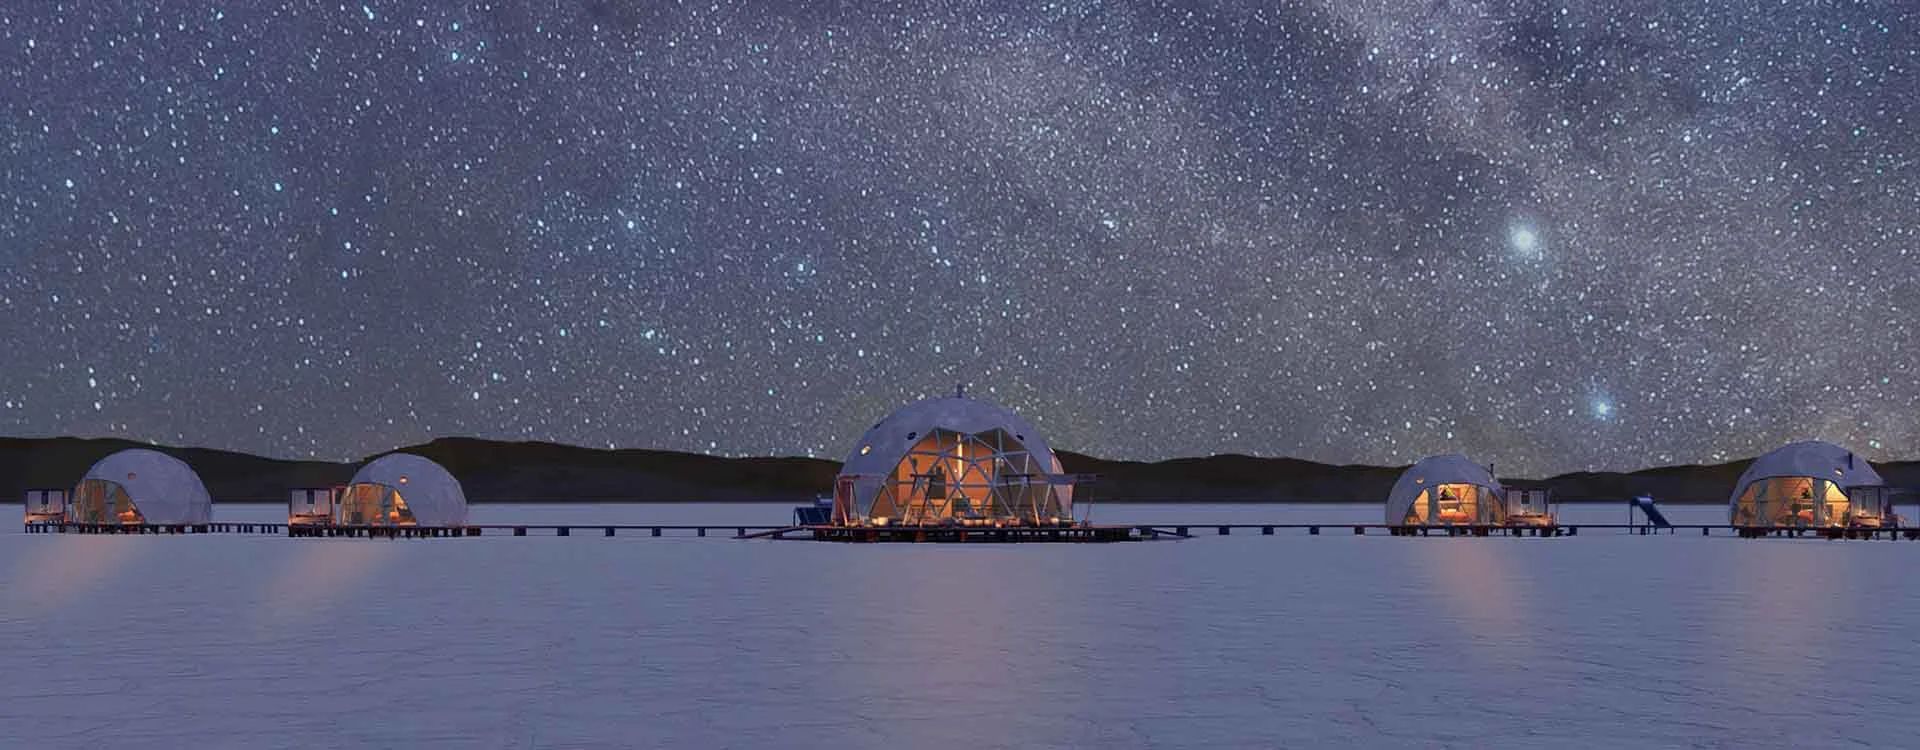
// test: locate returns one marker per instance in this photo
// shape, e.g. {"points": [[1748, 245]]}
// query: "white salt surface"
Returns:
{"points": [[1602, 640]]}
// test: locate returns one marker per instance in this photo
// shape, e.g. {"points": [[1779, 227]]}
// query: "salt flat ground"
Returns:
{"points": [[1602, 640]]}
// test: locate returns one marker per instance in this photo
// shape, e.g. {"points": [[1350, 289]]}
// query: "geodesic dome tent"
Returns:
{"points": [[140, 486], [1800, 484], [1446, 490], [952, 460], [402, 489]]}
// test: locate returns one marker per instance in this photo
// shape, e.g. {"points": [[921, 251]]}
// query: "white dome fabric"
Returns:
{"points": [[887, 443], [164, 489], [431, 493], [1451, 468], [1811, 459]]}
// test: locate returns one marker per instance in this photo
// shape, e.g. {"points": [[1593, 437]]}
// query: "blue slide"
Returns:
{"points": [[1654, 516]]}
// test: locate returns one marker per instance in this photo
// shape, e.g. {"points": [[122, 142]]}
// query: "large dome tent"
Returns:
{"points": [[1800, 484], [1446, 490], [402, 489], [141, 486], [952, 460]]}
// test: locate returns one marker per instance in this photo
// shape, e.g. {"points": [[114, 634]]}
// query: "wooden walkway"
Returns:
{"points": [[57, 527], [970, 534], [959, 534], [1574, 529]]}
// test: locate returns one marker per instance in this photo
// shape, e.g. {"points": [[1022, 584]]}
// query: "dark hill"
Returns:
{"points": [[496, 471]]}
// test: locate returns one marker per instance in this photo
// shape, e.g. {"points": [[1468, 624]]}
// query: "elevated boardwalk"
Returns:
{"points": [[959, 534], [62, 527], [971, 534]]}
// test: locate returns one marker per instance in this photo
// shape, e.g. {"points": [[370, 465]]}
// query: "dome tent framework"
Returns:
{"points": [[1448, 490], [951, 475], [138, 486], [370, 504], [952, 461], [1805, 484], [401, 490]]}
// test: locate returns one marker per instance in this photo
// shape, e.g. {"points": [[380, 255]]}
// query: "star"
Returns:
{"points": [[1345, 232]]}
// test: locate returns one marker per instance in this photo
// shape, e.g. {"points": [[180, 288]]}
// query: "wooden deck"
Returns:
{"points": [[960, 534], [971, 534], [62, 527]]}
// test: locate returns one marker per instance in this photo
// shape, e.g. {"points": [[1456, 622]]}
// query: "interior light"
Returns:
{"points": [[403, 480], [866, 449]]}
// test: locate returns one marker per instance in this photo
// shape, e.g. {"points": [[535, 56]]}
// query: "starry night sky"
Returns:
{"points": [[1555, 235]]}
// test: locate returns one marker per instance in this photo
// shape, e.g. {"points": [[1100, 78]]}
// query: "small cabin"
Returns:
{"points": [[1872, 506], [1529, 506], [312, 506], [46, 506]]}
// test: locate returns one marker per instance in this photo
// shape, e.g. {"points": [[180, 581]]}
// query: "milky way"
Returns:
{"points": [[1552, 235]]}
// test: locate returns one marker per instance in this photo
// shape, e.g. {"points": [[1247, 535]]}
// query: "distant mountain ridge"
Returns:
{"points": [[503, 471]]}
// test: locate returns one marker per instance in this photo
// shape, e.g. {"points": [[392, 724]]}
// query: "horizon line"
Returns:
{"points": [[791, 457]]}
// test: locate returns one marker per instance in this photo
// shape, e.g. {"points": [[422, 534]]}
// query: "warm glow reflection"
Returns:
{"points": [[47, 573], [319, 575], [1487, 590]]}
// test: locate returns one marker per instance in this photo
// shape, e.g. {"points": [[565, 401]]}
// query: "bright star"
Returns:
{"points": [[1523, 240]]}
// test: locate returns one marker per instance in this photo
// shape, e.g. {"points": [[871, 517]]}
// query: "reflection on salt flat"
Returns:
{"points": [[43, 578], [1485, 592], [317, 574], [1244, 640]]}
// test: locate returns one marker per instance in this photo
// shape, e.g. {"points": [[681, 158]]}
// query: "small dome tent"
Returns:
{"points": [[952, 460], [402, 489], [1800, 484], [140, 486], [1446, 490]]}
